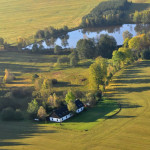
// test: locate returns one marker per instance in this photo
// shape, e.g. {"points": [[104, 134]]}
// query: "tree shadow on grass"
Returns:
{"points": [[118, 116], [66, 84], [19, 130]]}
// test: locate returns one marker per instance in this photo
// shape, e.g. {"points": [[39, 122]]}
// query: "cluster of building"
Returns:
{"points": [[62, 114]]}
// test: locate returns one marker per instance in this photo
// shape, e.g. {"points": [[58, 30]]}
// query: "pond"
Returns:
{"points": [[70, 40]]}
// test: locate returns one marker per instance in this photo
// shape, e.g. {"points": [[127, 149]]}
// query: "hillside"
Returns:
{"points": [[127, 130]]}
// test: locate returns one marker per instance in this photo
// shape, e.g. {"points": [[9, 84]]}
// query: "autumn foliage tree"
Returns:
{"points": [[9, 77], [42, 113]]}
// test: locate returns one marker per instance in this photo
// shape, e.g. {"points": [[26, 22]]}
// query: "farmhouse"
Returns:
{"points": [[62, 114]]}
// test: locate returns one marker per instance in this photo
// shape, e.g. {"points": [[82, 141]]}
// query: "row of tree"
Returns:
{"points": [[50, 32], [103, 69], [142, 17], [89, 48]]}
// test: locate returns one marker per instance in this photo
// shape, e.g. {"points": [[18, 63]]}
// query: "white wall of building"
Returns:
{"points": [[60, 119], [79, 110]]}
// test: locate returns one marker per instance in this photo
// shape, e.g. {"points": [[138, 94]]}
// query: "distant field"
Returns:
{"points": [[127, 130], [24, 17]]}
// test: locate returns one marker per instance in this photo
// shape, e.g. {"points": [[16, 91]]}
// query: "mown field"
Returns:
{"points": [[127, 130], [23, 18]]}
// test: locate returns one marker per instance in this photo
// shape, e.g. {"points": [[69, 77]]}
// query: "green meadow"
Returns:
{"points": [[93, 129]]}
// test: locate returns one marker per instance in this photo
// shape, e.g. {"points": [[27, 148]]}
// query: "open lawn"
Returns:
{"points": [[127, 130], [24, 17]]}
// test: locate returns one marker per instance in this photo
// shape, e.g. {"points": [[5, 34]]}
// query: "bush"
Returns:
{"points": [[47, 84], [8, 114], [33, 108], [9, 77], [18, 115], [42, 113], [35, 76], [57, 49], [38, 84], [63, 59], [146, 54], [54, 81], [90, 98], [98, 96], [22, 92]]}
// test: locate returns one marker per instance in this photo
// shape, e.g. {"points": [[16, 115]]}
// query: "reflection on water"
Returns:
{"points": [[71, 39]]}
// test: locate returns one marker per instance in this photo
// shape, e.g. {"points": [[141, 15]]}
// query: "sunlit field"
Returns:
{"points": [[129, 129], [22, 18]]}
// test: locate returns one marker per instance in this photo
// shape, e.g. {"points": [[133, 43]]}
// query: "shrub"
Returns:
{"points": [[98, 95], [18, 115], [8, 95], [9, 77], [33, 108], [47, 84], [22, 92], [90, 98], [8, 114], [35, 76], [69, 97], [57, 49], [63, 59], [146, 54], [38, 84], [41, 113], [54, 81], [72, 106]]}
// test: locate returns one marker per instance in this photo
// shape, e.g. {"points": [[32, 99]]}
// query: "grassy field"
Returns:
{"points": [[24, 65], [127, 130], [20, 18], [24, 18]]}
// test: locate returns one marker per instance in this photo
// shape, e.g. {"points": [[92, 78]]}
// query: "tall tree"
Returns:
{"points": [[42, 113], [69, 97], [127, 34], [106, 45], [33, 108], [85, 48]]}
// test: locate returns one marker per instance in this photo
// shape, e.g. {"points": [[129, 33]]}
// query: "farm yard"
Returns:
{"points": [[130, 87]]}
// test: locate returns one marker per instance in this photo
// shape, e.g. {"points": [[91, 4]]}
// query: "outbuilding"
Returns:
{"points": [[80, 106]]}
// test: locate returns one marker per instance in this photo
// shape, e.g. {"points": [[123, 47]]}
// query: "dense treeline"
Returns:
{"points": [[141, 17], [50, 32], [89, 48], [107, 13]]}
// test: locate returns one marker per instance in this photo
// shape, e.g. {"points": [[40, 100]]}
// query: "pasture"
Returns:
{"points": [[127, 130]]}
